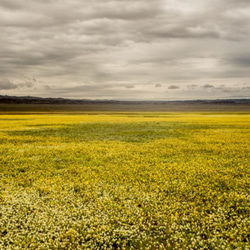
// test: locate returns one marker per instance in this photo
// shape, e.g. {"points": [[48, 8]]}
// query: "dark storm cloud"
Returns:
{"points": [[120, 43]]}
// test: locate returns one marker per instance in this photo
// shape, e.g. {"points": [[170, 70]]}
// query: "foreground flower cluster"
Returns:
{"points": [[125, 181]]}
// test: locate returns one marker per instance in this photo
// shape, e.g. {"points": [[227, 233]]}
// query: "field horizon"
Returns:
{"points": [[234, 106]]}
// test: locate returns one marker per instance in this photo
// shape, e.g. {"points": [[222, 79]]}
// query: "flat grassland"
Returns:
{"points": [[127, 180]]}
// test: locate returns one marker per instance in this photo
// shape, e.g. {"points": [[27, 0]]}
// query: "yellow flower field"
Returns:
{"points": [[125, 181]]}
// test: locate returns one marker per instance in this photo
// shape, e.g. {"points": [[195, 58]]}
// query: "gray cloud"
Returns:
{"points": [[26, 85], [208, 86], [192, 86], [130, 86], [6, 84], [47, 87], [173, 87], [240, 60], [158, 85], [122, 43]]}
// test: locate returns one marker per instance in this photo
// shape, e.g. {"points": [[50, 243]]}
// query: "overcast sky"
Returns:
{"points": [[125, 49]]}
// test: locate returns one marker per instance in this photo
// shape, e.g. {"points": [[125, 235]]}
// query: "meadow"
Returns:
{"points": [[125, 181]]}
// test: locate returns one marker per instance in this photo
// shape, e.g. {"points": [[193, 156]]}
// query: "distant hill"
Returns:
{"points": [[40, 100], [31, 104]]}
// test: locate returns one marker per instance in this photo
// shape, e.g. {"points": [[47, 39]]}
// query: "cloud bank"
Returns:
{"points": [[125, 49]]}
